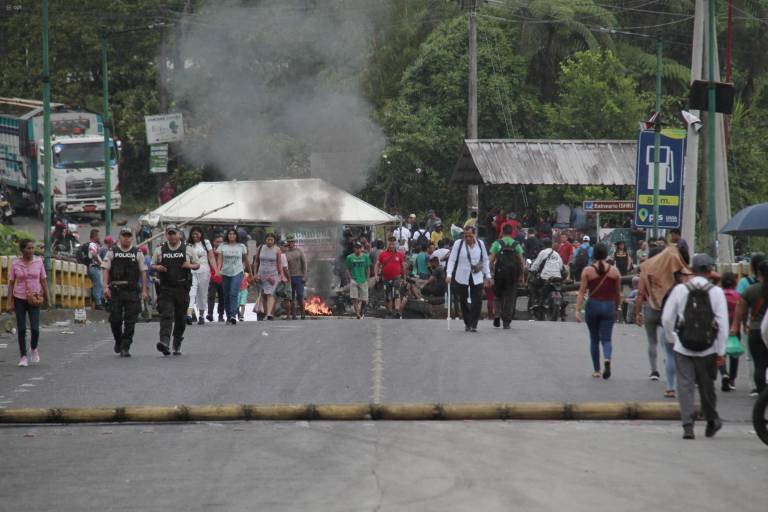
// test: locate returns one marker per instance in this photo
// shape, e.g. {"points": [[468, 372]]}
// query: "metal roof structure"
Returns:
{"points": [[546, 162]]}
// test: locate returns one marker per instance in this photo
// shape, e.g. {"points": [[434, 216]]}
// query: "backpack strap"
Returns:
{"points": [[456, 262]]}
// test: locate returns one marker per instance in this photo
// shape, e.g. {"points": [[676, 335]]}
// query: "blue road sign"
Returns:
{"points": [[671, 172]]}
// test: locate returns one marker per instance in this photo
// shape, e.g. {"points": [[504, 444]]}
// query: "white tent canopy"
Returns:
{"points": [[299, 201]]}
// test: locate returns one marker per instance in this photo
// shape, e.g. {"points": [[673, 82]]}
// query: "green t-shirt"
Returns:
{"points": [[755, 298], [359, 267], [496, 246]]}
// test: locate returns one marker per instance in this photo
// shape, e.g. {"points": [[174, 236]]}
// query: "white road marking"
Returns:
{"points": [[37, 378], [27, 385], [3, 345], [378, 367]]}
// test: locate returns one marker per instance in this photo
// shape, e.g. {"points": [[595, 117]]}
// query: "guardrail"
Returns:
{"points": [[70, 286]]}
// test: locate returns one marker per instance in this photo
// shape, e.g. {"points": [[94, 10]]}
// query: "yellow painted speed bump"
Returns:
{"points": [[348, 412]]}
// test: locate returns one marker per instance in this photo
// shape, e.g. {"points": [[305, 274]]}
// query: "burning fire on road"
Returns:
{"points": [[316, 306]]}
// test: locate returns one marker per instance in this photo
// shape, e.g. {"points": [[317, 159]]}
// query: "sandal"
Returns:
{"points": [[596, 375], [670, 393]]}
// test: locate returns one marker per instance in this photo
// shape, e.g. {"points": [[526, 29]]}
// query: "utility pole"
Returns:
{"points": [[656, 142], [46, 146], [473, 191], [711, 162], [105, 122]]}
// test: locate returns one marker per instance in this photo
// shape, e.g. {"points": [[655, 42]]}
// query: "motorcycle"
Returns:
{"points": [[552, 305], [6, 210], [69, 240]]}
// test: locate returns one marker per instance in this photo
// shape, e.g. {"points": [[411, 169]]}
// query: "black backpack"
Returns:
{"points": [[581, 259], [697, 330], [507, 265], [83, 254], [422, 240]]}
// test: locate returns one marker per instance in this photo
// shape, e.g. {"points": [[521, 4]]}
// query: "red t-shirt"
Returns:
{"points": [[391, 264], [566, 252]]}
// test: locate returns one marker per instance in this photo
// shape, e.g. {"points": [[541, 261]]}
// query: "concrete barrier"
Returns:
{"points": [[348, 412]]}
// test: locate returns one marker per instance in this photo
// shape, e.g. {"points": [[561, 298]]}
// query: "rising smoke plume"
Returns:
{"points": [[272, 90]]}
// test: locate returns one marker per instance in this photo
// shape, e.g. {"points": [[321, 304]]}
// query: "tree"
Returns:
{"points": [[597, 99], [426, 123]]}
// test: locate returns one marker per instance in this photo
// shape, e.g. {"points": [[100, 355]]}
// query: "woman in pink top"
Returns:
{"points": [[27, 277]]}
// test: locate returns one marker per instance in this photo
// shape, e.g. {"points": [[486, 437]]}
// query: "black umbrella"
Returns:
{"points": [[751, 221]]}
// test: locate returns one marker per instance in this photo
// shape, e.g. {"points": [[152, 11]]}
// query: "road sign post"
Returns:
{"points": [[671, 167]]}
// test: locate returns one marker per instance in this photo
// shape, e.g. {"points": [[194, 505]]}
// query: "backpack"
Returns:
{"points": [[507, 265], [83, 255], [581, 258], [422, 240], [697, 330]]}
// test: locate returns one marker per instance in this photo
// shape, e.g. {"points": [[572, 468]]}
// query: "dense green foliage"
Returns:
{"points": [[547, 69]]}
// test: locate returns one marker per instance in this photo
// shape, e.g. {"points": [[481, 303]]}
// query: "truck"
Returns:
{"points": [[77, 146]]}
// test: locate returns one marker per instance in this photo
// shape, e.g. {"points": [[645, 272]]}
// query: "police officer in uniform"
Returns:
{"points": [[124, 271], [173, 262]]}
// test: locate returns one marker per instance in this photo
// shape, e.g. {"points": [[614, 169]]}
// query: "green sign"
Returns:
{"points": [[158, 158]]}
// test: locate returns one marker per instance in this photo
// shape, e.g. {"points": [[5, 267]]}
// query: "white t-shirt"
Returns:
{"points": [[440, 254], [201, 252], [550, 263]]}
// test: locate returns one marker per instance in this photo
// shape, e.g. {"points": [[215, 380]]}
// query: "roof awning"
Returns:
{"points": [[546, 162], [291, 201]]}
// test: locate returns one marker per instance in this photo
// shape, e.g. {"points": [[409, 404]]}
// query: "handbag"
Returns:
{"points": [[733, 346], [35, 299]]}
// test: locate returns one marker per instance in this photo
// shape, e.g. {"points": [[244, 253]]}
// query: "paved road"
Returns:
{"points": [[440, 466], [320, 466], [327, 361]]}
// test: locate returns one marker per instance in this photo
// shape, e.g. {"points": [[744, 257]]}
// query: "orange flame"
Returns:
{"points": [[316, 306]]}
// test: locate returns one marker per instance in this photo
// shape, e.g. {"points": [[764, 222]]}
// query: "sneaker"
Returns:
{"points": [[200, 321], [753, 392], [221, 319], [732, 385], [712, 427], [726, 386], [467, 328], [497, 322], [507, 325], [210, 318], [23, 361], [189, 320], [473, 329], [240, 318], [688, 432], [654, 375], [177, 351], [177, 346], [233, 321], [125, 353], [596, 375], [116, 347], [162, 347], [35, 356], [607, 370]]}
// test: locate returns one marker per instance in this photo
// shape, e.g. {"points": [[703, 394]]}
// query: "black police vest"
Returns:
{"points": [[124, 267], [172, 259]]}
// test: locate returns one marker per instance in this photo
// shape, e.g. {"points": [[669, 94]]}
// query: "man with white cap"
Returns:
{"points": [[173, 261]]}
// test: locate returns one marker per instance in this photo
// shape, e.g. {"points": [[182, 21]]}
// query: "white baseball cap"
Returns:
{"points": [[585, 239]]}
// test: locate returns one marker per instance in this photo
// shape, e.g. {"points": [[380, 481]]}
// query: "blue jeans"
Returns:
{"points": [[600, 317], [231, 285], [94, 273], [22, 309], [297, 289], [670, 368]]}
